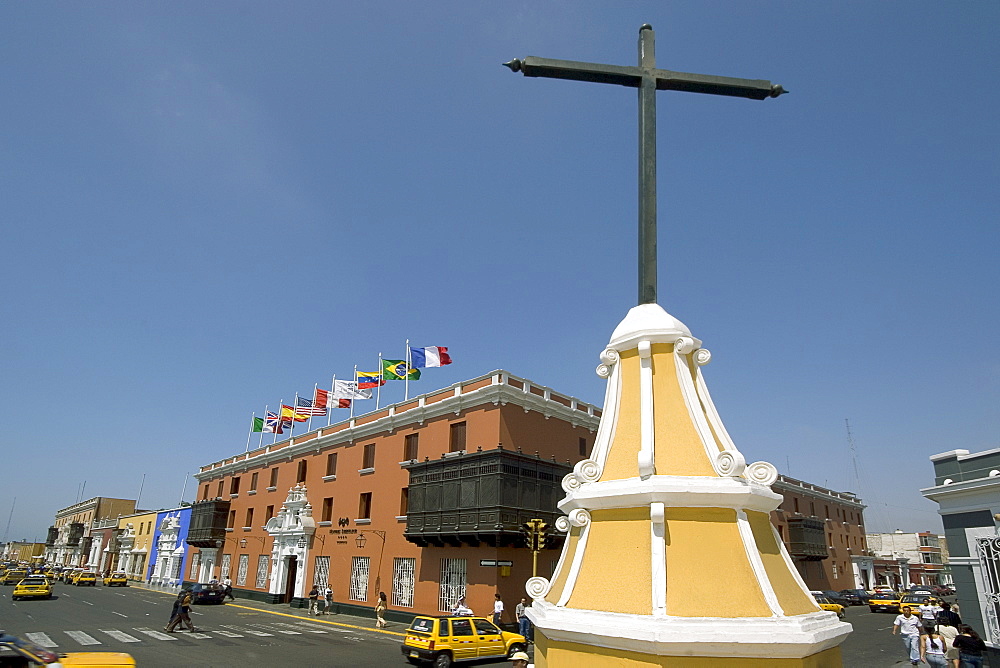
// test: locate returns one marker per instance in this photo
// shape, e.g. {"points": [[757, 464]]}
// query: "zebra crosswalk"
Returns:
{"points": [[139, 634]]}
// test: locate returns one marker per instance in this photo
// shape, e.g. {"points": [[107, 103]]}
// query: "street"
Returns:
{"points": [[240, 633], [248, 633]]}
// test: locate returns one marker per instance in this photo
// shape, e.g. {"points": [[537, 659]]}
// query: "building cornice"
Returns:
{"points": [[523, 392]]}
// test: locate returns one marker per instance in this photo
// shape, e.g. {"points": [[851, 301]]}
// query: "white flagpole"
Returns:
{"points": [[280, 403], [309, 424], [378, 388], [355, 385], [329, 401], [406, 378], [260, 441], [250, 433], [295, 412]]}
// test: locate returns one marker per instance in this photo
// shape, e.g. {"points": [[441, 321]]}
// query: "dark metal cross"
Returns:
{"points": [[648, 80]]}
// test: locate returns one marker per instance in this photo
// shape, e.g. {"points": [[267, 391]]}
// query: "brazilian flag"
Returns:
{"points": [[398, 370]]}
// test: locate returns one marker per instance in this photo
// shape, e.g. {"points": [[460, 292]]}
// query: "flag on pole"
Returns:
{"points": [[370, 379], [289, 413], [430, 356], [305, 407], [322, 398], [273, 424], [258, 425], [348, 389], [399, 370]]}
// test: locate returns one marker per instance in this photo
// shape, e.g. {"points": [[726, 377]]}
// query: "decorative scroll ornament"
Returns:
{"points": [[570, 483], [702, 356], [579, 517], [684, 345], [562, 524], [537, 587], [731, 463], [587, 470], [609, 358], [762, 473]]}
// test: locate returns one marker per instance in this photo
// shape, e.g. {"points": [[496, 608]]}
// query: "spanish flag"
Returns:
{"points": [[287, 412]]}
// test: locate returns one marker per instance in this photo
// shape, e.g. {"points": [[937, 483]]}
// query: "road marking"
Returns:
{"points": [[199, 635], [119, 635], [119, 614], [250, 631], [88, 603], [155, 635], [83, 638], [229, 634], [286, 632], [304, 626], [42, 639]]}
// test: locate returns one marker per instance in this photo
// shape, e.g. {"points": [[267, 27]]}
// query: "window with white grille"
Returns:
{"points": [[321, 573], [359, 578], [224, 569], [452, 581], [988, 551], [263, 564], [402, 581], [241, 571], [195, 565]]}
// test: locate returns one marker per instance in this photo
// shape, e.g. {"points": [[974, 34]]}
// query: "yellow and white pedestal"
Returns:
{"points": [[671, 559]]}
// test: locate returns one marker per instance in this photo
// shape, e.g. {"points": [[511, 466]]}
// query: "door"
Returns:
{"points": [[489, 641], [292, 574], [463, 639]]}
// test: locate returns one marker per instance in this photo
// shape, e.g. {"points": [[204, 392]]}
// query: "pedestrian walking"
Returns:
{"points": [[928, 611], [519, 660], [183, 614], [314, 600], [947, 616], [949, 633], [327, 600], [497, 609], [970, 648], [228, 584], [380, 610], [932, 648], [523, 623], [908, 625]]}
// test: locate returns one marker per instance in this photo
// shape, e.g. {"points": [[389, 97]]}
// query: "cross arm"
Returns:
{"points": [[577, 71], [755, 89]]}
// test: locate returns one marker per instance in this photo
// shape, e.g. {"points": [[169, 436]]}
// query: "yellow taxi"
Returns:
{"points": [[444, 640], [14, 575], [85, 578], [116, 579], [34, 586], [884, 601], [828, 605], [15, 651]]}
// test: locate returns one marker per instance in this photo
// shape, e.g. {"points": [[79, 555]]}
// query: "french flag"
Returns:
{"points": [[427, 357]]}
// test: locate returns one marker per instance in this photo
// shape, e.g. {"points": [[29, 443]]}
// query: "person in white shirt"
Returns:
{"points": [[497, 609], [908, 625], [928, 614]]}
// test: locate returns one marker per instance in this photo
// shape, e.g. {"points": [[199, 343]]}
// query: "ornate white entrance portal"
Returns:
{"points": [[292, 530], [167, 569]]}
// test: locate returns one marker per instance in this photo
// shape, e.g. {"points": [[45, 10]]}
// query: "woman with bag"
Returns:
{"points": [[380, 611]]}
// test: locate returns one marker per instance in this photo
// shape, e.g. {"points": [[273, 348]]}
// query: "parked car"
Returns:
{"points": [[884, 601], [207, 593], [34, 586], [835, 597], [855, 596], [15, 651], [444, 640], [828, 605], [116, 579], [943, 590]]}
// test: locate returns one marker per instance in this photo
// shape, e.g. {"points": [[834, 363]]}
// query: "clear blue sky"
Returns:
{"points": [[207, 207]]}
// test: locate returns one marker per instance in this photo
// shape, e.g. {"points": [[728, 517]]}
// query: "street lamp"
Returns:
{"points": [[360, 539]]}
